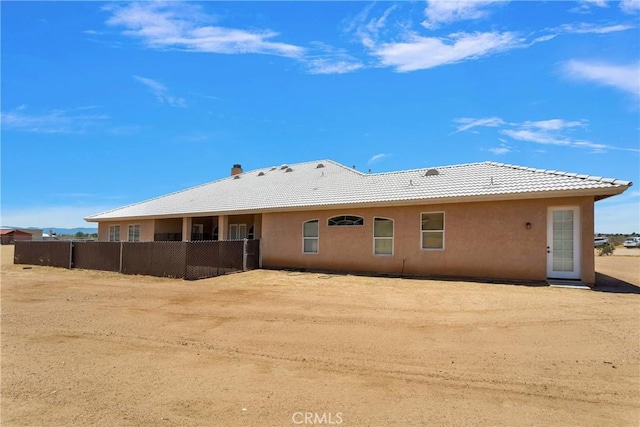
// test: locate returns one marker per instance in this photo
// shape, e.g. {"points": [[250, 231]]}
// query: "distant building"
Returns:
{"points": [[8, 236], [36, 233]]}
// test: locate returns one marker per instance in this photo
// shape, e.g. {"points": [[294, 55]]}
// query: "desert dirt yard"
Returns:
{"points": [[275, 348]]}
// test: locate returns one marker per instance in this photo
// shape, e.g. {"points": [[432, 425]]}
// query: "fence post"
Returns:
{"points": [[185, 273], [120, 268], [70, 255], [260, 254], [244, 255]]}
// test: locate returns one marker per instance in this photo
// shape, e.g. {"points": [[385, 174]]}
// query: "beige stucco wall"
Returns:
{"points": [[146, 229], [175, 225], [485, 239]]}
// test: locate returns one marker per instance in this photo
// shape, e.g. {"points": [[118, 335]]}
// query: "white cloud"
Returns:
{"points": [[396, 45], [185, 26], [587, 28], [551, 133], [370, 32], [440, 12], [544, 38], [546, 132], [330, 66], [585, 6], [419, 53], [630, 6], [161, 92], [554, 124], [377, 158], [501, 150], [539, 137], [469, 123], [598, 3], [329, 60], [621, 77], [597, 148], [52, 122]]}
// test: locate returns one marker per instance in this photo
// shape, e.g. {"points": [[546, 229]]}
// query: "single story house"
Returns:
{"points": [[485, 220], [8, 236], [36, 233]]}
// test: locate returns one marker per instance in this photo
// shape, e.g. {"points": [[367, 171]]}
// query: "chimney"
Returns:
{"points": [[236, 170]]}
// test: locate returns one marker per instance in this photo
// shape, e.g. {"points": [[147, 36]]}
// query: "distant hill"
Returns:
{"points": [[61, 231]]}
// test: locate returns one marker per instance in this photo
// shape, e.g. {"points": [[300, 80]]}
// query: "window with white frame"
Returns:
{"points": [[310, 237], [134, 233], [345, 221], [114, 233], [432, 230], [382, 236], [237, 231]]}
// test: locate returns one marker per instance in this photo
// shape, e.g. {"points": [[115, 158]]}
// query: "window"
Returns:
{"points": [[215, 233], [114, 233], [382, 236], [345, 221], [197, 232], [237, 231], [432, 227], [310, 237], [134, 233], [250, 233]]}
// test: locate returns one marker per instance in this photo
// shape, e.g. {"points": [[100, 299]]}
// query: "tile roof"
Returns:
{"points": [[309, 185], [5, 231]]}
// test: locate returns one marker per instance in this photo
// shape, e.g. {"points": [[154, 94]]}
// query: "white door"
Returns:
{"points": [[563, 243], [237, 231]]}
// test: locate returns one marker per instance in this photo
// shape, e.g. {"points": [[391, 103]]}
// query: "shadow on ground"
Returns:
{"points": [[606, 283]]}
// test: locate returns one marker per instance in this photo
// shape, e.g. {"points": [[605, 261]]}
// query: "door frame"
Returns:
{"points": [[576, 274]]}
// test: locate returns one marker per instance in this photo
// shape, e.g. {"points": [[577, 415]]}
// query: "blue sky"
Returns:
{"points": [[106, 104]]}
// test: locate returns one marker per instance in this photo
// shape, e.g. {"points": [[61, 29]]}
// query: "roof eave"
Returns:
{"points": [[598, 194]]}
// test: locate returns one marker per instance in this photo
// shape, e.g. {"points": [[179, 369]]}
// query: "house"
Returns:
{"points": [[36, 233], [485, 220], [8, 236]]}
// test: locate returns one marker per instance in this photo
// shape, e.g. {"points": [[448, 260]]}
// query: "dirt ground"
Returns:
{"points": [[282, 348]]}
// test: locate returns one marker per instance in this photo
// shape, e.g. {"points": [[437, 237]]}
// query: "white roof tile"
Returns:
{"points": [[307, 186]]}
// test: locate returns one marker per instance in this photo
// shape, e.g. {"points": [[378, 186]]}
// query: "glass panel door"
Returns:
{"points": [[563, 257]]}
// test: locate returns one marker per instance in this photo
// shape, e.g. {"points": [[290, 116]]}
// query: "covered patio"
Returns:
{"points": [[216, 227]]}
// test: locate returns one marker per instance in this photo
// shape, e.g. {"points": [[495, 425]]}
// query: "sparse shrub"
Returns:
{"points": [[606, 249]]}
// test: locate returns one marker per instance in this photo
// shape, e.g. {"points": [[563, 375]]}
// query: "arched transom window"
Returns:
{"points": [[345, 221]]}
